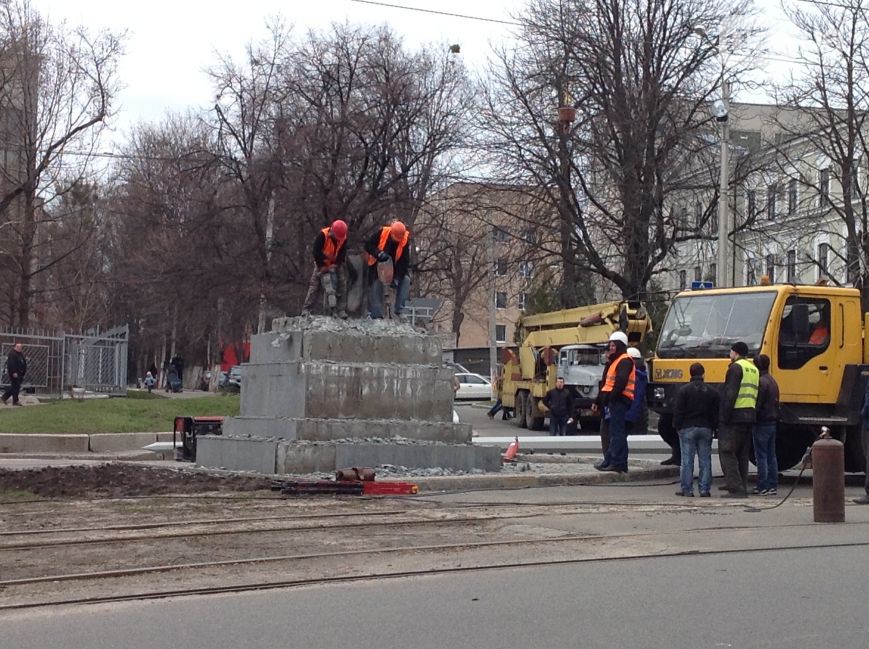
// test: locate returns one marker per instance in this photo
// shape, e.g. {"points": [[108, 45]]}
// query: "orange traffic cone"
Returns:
{"points": [[512, 450]]}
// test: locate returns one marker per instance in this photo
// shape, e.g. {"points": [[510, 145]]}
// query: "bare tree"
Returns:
{"points": [[55, 96], [634, 82], [824, 152]]}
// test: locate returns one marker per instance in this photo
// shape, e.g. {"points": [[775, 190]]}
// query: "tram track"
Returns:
{"points": [[246, 525], [394, 574]]}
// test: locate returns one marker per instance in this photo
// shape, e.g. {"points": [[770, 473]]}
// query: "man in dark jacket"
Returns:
{"points": [[389, 242], [559, 402], [635, 416], [738, 403], [16, 368], [695, 416], [617, 395], [765, 430]]}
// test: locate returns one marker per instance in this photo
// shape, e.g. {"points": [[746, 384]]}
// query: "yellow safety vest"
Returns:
{"points": [[747, 397]]}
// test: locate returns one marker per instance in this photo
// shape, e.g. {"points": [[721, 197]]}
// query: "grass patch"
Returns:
{"points": [[117, 415]]}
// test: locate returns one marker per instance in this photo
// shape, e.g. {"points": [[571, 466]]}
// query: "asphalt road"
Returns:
{"points": [[791, 598]]}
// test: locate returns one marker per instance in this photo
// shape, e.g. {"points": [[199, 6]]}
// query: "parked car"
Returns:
{"points": [[231, 380], [473, 386], [457, 367]]}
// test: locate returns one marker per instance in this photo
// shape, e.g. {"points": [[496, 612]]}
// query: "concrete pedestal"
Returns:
{"points": [[320, 394]]}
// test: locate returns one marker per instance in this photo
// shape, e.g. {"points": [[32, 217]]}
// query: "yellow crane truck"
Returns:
{"points": [[568, 344], [814, 337]]}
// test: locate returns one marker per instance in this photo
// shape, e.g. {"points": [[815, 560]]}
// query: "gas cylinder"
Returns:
{"points": [[828, 481]]}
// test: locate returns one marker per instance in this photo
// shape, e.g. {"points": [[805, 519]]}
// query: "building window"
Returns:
{"points": [[750, 273], [823, 187], [771, 196], [823, 260], [521, 299], [770, 268], [713, 272], [683, 280], [500, 267], [698, 274], [526, 269], [500, 234], [529, 235], [500, 333], [792, 267], [751, 202], [501, 300], [792, 196], [698, 215]]}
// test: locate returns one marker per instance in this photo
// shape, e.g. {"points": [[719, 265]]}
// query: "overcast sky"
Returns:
{"points": [[171, 42]]}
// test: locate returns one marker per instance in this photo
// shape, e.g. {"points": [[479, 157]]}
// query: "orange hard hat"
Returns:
{"points": [[339, 229], [397, 230]]}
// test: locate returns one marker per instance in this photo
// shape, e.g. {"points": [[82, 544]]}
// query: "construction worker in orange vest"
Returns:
{"points": [[389, 242], [329, 255], [617, 395]]}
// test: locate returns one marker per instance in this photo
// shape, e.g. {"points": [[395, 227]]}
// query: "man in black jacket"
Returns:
{"points": [[695, 416], [559, 402], [16, 368], [764, 432]]}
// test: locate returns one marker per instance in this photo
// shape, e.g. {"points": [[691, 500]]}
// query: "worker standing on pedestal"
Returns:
{"points": [[329, 256]]}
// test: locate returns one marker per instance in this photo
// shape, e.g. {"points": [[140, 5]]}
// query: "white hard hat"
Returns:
{"points": [[619, 336], [633, 352]]}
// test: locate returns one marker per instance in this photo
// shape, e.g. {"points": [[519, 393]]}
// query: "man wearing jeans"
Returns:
{"points": [[695, 415], [763, 434], [559, 402]]}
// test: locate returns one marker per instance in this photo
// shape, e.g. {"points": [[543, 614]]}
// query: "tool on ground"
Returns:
{"points": [[356, 481], [186, 429], [512, 451]]}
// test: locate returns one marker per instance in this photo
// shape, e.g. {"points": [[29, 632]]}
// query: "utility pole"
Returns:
{"points": [[493, 305]]}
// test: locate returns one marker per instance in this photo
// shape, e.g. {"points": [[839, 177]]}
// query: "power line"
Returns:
{"points": [[433, 11]]}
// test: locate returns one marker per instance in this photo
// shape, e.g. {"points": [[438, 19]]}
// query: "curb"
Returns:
{"points": [[531, 481]]}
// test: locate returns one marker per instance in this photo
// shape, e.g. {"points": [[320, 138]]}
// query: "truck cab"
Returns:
{"points": [[581, 367], [813, 336]]}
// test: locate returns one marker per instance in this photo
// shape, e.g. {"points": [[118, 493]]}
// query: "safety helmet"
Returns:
{"points": [[633, 352], [619, 337], [339, 229], [397, 230]]}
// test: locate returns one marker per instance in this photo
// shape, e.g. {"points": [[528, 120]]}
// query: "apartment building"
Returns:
{"points": [[786, 198], [482, 248]]}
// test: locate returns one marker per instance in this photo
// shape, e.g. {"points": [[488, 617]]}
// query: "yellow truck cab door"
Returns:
{"points": [[813, 345]]}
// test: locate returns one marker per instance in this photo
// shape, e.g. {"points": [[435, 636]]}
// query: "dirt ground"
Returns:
{"points": [[122, 480]]}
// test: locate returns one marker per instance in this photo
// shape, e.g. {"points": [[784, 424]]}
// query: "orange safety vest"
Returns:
{"points": [[381, 245], [610, 381], [331, 248], [819, 335]]}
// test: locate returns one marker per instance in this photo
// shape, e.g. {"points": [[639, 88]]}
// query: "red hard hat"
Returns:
{"points": [[339, 229], [397, 230]]}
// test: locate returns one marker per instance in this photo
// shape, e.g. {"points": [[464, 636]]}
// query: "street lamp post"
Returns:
{"points": [[720, 110], [725, 277]]}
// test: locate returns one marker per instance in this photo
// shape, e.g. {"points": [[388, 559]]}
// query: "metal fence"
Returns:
{"points": [[58, 361]]}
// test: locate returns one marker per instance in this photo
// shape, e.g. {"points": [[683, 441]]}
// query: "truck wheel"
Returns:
{"points": [[855, 461], [520, 409], [534, 423], [791, 443]]}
